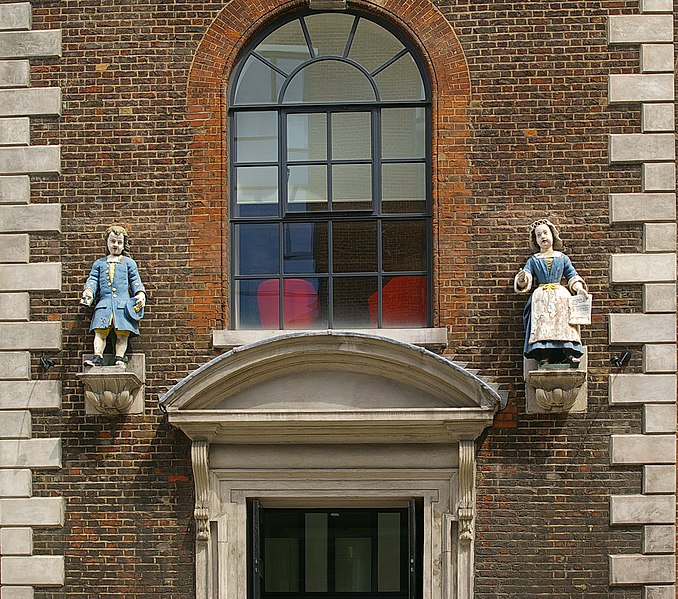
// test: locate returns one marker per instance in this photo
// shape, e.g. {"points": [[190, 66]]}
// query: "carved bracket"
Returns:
{"points": [[199, 459], [112, 391], [467, 461], [556, 390]]}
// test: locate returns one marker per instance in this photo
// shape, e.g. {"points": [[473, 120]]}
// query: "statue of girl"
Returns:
{"points": [[549, 336]]}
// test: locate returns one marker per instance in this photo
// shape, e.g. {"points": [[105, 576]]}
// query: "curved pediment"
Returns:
{"points": [[290, 387]]}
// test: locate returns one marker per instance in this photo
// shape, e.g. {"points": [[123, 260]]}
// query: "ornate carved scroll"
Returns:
{"points": [[199, 458], [466, 489]]}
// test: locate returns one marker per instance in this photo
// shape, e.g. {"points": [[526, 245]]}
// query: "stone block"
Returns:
{"points": [[659, 479], [15, 73], [16, 15], [659, 298], [645, 268], [30, 335], [16, 593], [640, 88], [30, 395], [642, 328], [658, 176], [642, 509], [28, 453], [664, 591], [30, 218], [30, 160], [642, 449], [636, 569], [657, 117], [15, 190], [642, 147], [15, 424], [34, 511], [14, 248], [15, 365], [639, 29], [625, 389], [41, 276], [659, 538], [30, 102], [33, 44], [16, 483], [15, 131], [36, 570], [642, 207], [659, 358], [656, 6], [15, 306], [16, 541], [656, 58], [660, 237], [659, 418]]}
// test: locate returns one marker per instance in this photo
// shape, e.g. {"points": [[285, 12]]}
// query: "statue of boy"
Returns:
{"points": [[120, 297]]}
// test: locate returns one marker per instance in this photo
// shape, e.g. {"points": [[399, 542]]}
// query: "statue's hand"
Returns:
{"points": [[521, 278], [141, 300], [582, 291], [87, 297]]}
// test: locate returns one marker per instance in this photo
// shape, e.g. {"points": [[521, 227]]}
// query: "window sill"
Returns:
{"points": [[434, 339]]}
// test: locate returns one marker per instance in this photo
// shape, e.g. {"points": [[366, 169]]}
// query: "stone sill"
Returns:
{"points": [[434, 339]]}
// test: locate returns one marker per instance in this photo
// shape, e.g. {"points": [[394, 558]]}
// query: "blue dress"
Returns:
{"points": [[546, 314], [112, 295]]}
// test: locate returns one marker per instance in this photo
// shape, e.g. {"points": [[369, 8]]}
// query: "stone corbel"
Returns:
{"points": [[466, 505], [556, 388], [114, 391], [199, 459]]}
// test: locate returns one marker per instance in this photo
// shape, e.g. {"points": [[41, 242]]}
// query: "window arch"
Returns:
{"points": [[330, 177]]}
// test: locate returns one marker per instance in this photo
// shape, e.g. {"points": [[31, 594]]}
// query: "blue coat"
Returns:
{"points": [[112, 295]]}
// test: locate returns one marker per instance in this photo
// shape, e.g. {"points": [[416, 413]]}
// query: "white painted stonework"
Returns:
{"points": [[20, 454], [655, 329], [332, 418]]}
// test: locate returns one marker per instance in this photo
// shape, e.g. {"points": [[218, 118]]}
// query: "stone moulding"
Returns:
{"points": [[556, 390]]}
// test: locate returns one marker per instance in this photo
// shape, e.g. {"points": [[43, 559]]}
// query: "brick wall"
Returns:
{"points": [[141, 134]]}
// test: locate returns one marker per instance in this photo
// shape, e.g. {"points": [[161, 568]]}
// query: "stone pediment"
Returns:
{"points": [[330, 386]]}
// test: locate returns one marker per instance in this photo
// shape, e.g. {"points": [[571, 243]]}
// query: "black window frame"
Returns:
{"points": [[329, 216]]}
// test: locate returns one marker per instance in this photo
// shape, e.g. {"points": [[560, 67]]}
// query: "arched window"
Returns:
{"points": [[330, 178]]}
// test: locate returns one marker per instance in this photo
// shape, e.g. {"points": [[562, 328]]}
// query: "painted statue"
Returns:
{"points": [[550, 337], [115, 289]]}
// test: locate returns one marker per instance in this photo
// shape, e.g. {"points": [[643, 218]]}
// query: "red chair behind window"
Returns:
{"points": [[300, 303], [403, 303]]}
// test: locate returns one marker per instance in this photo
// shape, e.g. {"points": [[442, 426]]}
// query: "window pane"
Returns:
{"points": [[307, 184], [403, 132], [281, 552], [404, 302], [329, 81], [352, 301], [286, 47], [351, 136], [247, 313], [307, 136], [329, 33], [316, 553], [353, 565], [403, 246], [258, 249], [258, 84], [305, 248], [373, 46], [388, 552], [256, 136], [401, 81], [257, 185], [354, 246], [302, 303], [404, 187], [351, 186]]}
